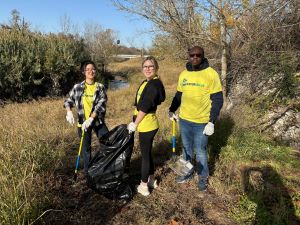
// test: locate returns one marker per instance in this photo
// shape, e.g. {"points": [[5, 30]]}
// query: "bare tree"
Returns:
{"points": [[16, 22], [101, 43], [213, 23], [67, 26], [189, 21], [65, 23]]}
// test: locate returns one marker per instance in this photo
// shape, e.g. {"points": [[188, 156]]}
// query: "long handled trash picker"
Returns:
{"points": [[181, 166], [78, 156], [173, 140]]}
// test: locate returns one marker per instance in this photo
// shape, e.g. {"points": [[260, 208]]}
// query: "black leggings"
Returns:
{"points": [[146, 141]]}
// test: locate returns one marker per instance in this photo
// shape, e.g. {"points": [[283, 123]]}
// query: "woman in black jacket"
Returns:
{"points": [[150, 94]]}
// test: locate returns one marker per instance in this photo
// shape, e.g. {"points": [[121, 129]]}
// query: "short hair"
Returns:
{"points": [[151, 58], [198, 48], [85, 63]]}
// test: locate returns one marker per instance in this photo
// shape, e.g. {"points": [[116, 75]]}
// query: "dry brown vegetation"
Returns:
{"points": [[37, 160], [41, 126]]}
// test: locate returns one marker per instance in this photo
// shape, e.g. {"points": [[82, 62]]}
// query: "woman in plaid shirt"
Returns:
{"points": [[89, 97]]}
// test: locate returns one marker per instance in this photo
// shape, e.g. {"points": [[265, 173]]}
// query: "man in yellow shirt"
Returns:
{"points": [[199, 95]]}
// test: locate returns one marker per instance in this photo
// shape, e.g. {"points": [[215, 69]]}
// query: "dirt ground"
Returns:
{"points": [[170, 204]]}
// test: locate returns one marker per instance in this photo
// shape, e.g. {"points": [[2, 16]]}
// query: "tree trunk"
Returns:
{"points": [[223, 45], [224, 56]]}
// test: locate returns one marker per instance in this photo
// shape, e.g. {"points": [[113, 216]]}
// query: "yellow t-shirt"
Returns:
{"points": [[150, 121], [196, 88], [88, 98]]}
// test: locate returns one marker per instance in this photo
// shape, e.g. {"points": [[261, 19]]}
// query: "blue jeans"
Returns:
{"points": [[87, 142], [193, 138]]}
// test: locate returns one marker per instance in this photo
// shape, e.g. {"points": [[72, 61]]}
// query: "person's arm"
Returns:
{"points": [[68, 109], [68, 104], [147, 99], [175, 102], [100, 106], [144, 106], [146, 103], [140, 116], [70, 101], [216, 96], [133, 125], [93, 115], [216, 105]]}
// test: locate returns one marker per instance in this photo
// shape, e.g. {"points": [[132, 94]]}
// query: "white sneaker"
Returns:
{"points": [[152, 183], [143, 190]]}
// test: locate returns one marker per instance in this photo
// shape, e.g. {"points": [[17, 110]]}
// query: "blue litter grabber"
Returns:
{"points": [[173, 139], [180, 166], [78, 156]]}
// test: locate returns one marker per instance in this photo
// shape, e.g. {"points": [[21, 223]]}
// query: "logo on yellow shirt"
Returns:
{"points": [[186, 83], [87, 95]]}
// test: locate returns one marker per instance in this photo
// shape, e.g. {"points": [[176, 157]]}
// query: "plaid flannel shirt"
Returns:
{"points": [[99, 101]]}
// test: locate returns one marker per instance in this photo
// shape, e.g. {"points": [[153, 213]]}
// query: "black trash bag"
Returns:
{"points": [[108, 169]]}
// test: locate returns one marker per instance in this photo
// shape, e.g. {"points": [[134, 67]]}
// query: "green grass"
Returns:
{"points": [[262, 175], [246, 166]]}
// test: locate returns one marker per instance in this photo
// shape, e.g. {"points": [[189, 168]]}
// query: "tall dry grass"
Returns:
{"points": [[34, 138]]}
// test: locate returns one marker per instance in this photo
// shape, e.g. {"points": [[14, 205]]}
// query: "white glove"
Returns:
{"points": [[131, 127], [173, 116], [70, 117], [87, 123], [209, 129]]}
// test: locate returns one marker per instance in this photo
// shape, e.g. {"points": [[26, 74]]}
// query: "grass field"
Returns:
{"points": [[253, 179]]}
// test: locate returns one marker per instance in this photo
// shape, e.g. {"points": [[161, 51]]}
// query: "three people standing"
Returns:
{"points": [[199, 96]]}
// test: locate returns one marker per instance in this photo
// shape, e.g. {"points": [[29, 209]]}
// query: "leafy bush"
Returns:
{"points": [[33, 64]]}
